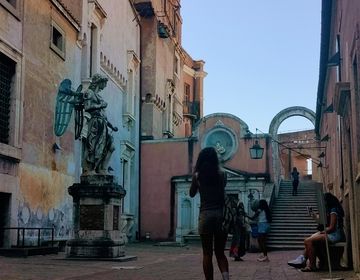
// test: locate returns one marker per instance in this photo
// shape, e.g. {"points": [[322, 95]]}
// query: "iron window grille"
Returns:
{"points": [[7, 72]]}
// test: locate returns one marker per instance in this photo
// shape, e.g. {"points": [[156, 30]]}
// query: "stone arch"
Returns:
{"points": [[273, 130]]}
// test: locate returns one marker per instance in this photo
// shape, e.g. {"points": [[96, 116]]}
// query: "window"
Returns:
{"points": [[57, 43], [130, 93], [93, 49], [12, 3], [12, 6], [355, 72], [187, 92], [7, 73], [176, 65]]}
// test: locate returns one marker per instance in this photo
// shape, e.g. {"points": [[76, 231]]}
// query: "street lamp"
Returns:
{"points": [[256, 151]]}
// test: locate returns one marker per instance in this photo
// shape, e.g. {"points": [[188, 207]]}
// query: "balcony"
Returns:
{"points": [[191, 109]]}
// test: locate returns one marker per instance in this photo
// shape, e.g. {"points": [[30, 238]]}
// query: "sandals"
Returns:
{"points": [[307, 269]]}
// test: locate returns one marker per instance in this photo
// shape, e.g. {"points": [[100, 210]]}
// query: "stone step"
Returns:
{"points": [[286, 242], [291, 222], [292, 231], [285, 247], [294, 219], [291, 239], [302, 213], [287, 224], [288, 234], [288, 206]]}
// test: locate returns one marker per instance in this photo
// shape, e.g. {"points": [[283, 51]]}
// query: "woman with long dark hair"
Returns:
{"points": [[263, 216], [209, 180], [334, 231]]}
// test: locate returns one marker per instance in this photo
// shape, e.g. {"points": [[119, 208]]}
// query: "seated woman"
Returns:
{"points": [[334, 232]]}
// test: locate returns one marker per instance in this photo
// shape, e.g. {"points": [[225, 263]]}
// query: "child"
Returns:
{"points": [[237, 249], [263, 216]]}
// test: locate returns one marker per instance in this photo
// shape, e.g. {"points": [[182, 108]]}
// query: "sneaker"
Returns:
{"points": [[263, 259], [299, 262]]}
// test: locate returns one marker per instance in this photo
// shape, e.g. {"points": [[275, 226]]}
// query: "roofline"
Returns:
{"points": [[66, 13], [326, 15]]}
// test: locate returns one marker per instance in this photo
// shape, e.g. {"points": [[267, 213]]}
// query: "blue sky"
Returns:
{"points": [[261, 56]]}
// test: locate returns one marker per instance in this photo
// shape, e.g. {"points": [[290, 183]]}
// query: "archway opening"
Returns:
{"points": [[296, 138]]}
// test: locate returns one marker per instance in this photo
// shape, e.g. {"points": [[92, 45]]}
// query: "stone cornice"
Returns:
{"points": [[63, 10]]}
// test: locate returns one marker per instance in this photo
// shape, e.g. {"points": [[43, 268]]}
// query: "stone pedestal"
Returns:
{"points": [[96, 206]]}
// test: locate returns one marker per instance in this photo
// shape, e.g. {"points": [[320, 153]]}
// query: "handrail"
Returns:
{"points": [[22, 230]]}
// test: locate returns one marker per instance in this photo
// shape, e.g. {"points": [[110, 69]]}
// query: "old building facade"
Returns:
{"points": [[338, 111], [171, 80], [40, 45], [172, 98]]}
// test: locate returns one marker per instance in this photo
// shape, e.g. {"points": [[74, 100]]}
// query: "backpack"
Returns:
{"points": [[229, 214]]}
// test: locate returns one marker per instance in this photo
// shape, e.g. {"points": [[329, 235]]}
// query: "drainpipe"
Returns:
{"points": [[140, 118]]}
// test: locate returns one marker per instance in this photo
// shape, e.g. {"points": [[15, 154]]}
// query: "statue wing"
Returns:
{"points": [[64, 107]]}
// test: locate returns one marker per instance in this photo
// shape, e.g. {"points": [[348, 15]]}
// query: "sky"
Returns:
{"points": [[261, 57]]}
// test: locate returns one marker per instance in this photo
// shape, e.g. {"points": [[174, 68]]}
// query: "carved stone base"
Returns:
{"points": [[96, 207], [97, 248]]}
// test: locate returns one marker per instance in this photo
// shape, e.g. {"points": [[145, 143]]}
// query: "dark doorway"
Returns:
{"points": [[4, 215]]}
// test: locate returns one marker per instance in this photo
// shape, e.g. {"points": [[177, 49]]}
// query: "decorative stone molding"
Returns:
{"points": [[128, 120], [341, 97], [126, 225], [127, 150], [112, 71], [243, 126], [98, 10], [177, 119], [133, 60], [223, 139], [170, 87]]}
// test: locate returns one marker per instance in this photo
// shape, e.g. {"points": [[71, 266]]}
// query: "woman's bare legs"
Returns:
{"points": [[207, 246], [262, 244], [310, 244], [222, 261]]}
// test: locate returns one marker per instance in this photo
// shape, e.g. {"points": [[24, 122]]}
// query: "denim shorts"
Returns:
{"points": [[263, 228], [337, 236], [210, 221]]}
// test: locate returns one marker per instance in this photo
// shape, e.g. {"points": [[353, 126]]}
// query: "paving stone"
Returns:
{"points": [[155, 263]]}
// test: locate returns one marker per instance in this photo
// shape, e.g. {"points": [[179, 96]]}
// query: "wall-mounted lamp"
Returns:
{"points": [[256, 151], [334, 60], [325, 138], [162, 30], [322, 155], [56, 147], [329, 109]]}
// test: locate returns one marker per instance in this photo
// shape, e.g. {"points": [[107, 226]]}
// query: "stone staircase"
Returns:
{"points": [[291, 223]]}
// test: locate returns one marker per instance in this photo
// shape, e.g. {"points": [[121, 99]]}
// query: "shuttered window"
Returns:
{"points": [[7, 72]]}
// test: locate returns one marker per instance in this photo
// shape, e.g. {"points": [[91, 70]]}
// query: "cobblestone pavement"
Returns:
{"points": [[156, 262]]}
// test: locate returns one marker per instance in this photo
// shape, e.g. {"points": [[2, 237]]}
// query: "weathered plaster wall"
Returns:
{"points": [[303, 144], [177, 157], [160, 162], [120, 44], [46, 174]]}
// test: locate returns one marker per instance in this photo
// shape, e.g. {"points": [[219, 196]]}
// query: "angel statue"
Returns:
{"points": [[97, 141]]}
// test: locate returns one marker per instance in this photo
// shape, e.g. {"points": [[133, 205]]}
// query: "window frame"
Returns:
{"points": [[12, 9], [12, 150], [54, 47]]}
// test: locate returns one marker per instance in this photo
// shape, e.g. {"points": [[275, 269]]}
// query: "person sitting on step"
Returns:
{"points": [[334, 233]]}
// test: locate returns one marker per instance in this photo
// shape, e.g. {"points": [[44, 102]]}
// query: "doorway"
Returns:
{"points": [[4, 215]]}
